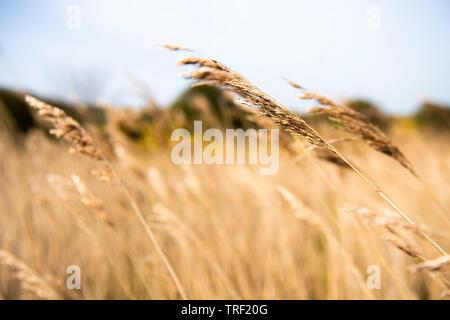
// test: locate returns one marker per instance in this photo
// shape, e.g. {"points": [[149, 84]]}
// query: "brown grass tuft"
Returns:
{"points": [[170, 46], [29, 280], [358, 125], [69, 129], [66, 128], [213, 72], [441, 264]]}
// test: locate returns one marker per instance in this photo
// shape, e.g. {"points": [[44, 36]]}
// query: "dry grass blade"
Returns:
{"points": [[385, 221], [301, 211], [386, 229], [89, 200], [28, 278], [326, 155], [304, 213], [295, 85], [69, 129], [441, 264], [402, 245], [357, 124], [213, 72], [63, 189], [170, 46]]}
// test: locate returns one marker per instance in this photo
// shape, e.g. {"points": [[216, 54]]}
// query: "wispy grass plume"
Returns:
{"points": [[212, 72]]}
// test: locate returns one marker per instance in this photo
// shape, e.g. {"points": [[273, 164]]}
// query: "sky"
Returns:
{"points": [[394, 53]]}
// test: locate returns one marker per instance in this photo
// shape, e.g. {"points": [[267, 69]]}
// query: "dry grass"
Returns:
{"points": [[440, 264], [226, 230], [218, 231], [29, 281], [212, 72], [357, 124], [67, 128]]}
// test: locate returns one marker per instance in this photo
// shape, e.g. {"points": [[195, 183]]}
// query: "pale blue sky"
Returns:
{"points": [[324, 45]]}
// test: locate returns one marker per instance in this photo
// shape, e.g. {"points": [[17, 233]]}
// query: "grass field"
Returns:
{"points": [[351, 214]]}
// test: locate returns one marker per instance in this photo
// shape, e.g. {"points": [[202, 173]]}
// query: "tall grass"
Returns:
{"points": [[213, 72], [309, 232]]}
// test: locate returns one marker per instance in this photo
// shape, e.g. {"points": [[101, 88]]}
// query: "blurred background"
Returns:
{"points": [[393, 53]]}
